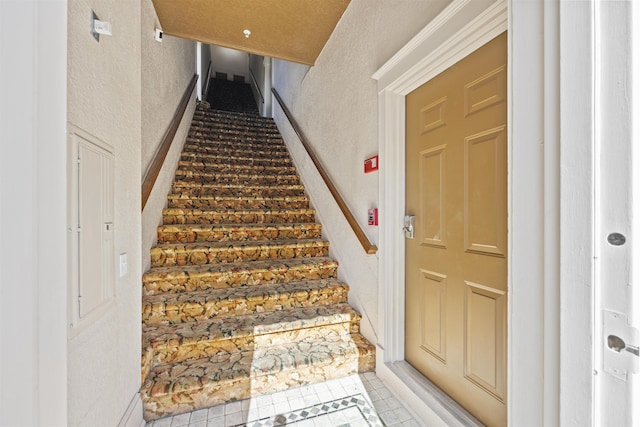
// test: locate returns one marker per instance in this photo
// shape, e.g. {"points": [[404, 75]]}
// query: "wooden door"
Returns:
{"points": [[456, 264]]}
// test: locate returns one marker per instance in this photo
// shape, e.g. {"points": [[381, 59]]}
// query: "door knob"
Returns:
{"points": [[409, 222]]}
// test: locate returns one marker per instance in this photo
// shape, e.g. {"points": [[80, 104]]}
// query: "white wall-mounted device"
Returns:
{"points": [[99, 27], [158, 35]]}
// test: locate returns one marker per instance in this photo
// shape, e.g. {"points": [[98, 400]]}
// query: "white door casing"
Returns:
{"points": [[615, 273], [533, 166]]}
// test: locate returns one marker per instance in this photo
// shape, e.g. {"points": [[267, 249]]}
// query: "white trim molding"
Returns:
{"points": [[463, 27]]}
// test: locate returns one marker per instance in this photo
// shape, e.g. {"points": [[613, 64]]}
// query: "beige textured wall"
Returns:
{"points": [[167, 68], [124, 90], [104, 99], [230, 61], [335, 102]]}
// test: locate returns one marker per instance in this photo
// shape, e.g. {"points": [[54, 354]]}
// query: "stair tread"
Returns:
{"points": [[197, 165], [222, 148], [196, 374], [207, 227], [183, 173], [189, 211], [209, 252], [252, 292], [225, 159], [287, 263], [242, 244], [184, 307], [246, 325], [192, 184], [209, 196], [237, 216]]}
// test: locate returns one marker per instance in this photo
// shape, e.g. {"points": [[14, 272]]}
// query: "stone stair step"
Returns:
{"points": [[234, 168], [192, 233], [186, 307], [223, 159], [186, 201], [172, 254], [235, 275], [259, 179], [236, 190], [199, 383], [230, 216]]}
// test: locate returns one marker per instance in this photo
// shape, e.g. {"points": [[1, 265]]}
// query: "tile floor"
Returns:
{"points": [[354, 401]]}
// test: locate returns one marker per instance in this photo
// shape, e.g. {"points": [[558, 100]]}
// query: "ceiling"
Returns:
{"points": [[295, 30]]}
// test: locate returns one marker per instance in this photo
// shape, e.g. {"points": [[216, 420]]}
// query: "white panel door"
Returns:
{"points": [[91, 225]]}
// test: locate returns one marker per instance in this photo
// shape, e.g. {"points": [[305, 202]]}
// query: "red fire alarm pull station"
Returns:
{"points": [[371, 164], [373, 216]]}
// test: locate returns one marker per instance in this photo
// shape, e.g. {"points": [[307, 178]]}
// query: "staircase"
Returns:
{"points": [[242, 298]]}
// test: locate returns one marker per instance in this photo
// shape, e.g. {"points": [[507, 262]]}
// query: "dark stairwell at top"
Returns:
{"points": [[231, 96], [242, 298]]}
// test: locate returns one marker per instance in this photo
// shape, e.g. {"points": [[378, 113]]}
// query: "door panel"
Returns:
{"points": [[432, 210], [485, 349], [485, 202], [456, 267], [433, 314]]}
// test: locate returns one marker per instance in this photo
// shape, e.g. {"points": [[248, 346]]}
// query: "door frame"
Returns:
{"points": [[534, 234]]}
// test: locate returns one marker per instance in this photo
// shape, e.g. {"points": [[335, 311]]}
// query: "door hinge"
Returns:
{"points": [[620, 345]]}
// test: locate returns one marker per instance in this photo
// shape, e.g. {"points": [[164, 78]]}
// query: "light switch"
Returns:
{"points": [[123, 264]]}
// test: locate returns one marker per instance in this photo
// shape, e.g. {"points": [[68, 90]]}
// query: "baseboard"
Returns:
{"points": [[133, 415]]}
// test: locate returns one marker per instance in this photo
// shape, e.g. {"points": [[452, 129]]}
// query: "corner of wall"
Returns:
{"points": [[133, 416], [152, 213]]}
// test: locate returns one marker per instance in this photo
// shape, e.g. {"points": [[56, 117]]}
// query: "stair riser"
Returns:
{"points": [[165, 402], [228, 160], [176, 216], [147, 362], [196, 189], [237, 137], [237, 203], [233, 121], [194, 234], [222, 150], [166, 257], [209, 178], [215, 279], [172, 354], [183, 312], [235, 168], [256, 129], [273, 145]]}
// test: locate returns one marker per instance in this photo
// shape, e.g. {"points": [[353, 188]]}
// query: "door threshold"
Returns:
{"points": [[424, 399]]}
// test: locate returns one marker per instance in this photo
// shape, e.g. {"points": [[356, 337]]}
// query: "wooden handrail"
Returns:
{"points": [[369, 247], [156, 164]]}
